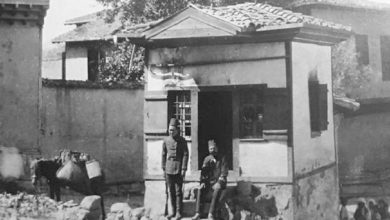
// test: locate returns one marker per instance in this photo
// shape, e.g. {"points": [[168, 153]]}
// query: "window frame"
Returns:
{"points": [[257, 94], [318, 107], [178, 103], [385, 57], [362, 49]]}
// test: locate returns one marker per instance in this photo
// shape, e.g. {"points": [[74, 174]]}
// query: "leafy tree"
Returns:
{"points": [[123, 64], [348, 74]]}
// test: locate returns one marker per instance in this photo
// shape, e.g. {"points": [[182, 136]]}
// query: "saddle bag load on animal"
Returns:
{"points": [[74, 175], [93, 169]]}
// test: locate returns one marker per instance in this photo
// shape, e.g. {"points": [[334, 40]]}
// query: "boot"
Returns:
{"points": [[196, 217], [172, 215], [179, 207], [173, 202], [178, 216]]}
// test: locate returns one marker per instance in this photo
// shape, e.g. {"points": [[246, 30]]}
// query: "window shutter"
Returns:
{"points": [[276, 115], [323, 102], [156, 112], [314, 105]]}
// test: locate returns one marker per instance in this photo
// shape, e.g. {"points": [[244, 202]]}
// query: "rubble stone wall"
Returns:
{"points": [[316, 196]]}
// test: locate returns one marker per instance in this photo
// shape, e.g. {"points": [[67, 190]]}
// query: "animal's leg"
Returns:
{"points": [[58, 192], [51, 190], [102, 204]]}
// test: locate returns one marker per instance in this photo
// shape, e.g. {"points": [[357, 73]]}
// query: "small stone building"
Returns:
{"points": [[20, 72], [258, 80]]}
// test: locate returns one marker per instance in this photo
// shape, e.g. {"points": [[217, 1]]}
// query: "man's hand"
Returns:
{"points": [[202, 185], [183, 173], [217, 186], [223, 179]]}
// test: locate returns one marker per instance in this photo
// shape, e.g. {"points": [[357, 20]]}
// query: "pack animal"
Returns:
{"points": [[48, 168]]}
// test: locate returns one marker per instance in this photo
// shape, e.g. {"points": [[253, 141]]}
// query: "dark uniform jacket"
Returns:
{"points": [[214, 169], [174, 155]]}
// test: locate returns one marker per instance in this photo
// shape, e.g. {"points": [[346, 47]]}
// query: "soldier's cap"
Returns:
{"points": [[211, 142], [174, 122]]}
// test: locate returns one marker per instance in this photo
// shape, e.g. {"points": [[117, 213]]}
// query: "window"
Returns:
{"points": [[318, 103], [361, 42], [263, 111], [251, 113], [180, 108], [385, 52]]}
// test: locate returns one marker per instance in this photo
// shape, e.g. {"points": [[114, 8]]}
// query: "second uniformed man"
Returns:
{"points": [[213, 180], [174, 165]]}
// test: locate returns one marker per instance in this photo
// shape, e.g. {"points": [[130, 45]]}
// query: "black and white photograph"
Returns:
{"points": [[194, 109]]}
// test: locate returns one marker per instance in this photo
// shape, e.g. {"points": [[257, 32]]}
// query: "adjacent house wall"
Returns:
{"points": [[373, 23], [316, 188], [105, 123], [364, 156], [76, 63]]}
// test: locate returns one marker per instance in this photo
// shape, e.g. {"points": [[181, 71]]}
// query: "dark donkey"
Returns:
{"points": [[48, 169]]}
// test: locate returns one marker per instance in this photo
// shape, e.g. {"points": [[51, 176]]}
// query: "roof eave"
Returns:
{"points": [[291, 32], [81, 40], [322, 35]]}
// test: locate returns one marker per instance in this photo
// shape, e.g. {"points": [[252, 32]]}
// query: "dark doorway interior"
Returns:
{"points": [[215, 122], [93, 64]]}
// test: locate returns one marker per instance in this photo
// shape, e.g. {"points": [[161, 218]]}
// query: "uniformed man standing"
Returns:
{"points": [[213, 179], [174, 165]]}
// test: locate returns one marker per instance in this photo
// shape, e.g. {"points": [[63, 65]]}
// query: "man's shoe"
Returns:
{"points": [[178, 216], [196, 217], [210, 217], [171, 215]]}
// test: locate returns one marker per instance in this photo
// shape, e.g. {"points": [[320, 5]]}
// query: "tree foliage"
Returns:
{"points": [[348, 74], [138, 11], [123, 64]]}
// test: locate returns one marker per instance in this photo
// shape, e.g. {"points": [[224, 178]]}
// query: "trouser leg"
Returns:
{"points": [[172, 192], [179, 193], [198, 198], [214, 200]]}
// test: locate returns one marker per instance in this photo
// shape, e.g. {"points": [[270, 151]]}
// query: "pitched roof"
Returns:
{"points": [[360, 4], [98, 29], [242, 16], [264, 15], [136, 31], [85, 18]]}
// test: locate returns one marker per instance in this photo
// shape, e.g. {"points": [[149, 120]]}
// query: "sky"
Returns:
{"points": [[62, 10]]}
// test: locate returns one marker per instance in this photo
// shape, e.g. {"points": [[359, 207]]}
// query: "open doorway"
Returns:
{"points": [[215, 122]]}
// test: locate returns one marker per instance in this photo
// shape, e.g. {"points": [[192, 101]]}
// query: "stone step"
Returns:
{"points": [[190, 205]]}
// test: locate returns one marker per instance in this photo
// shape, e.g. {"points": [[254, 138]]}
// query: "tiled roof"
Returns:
{"points": [[85, 18], [261, 16], [98, 29], [264, 15], [362, 4], [136, 30]]}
